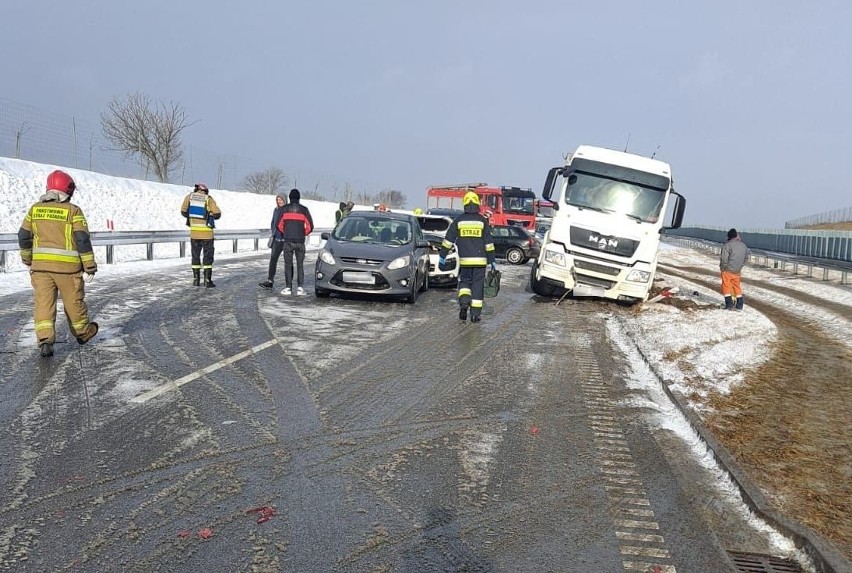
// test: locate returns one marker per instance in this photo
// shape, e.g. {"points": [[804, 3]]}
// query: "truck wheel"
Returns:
{"points": [[515, 256], [537, 286]]}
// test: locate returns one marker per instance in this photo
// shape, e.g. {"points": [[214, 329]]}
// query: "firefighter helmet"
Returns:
{"points": [[201, 187], [470, 197], [61, 181]]}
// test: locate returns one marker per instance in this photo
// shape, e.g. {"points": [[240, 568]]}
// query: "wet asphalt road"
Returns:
{"points": [[374, 436]]}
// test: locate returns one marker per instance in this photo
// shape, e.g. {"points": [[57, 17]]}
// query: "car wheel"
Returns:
{"points": [[425, 286], [515, 256], [321, 292], [537, 286], [413, 290]]}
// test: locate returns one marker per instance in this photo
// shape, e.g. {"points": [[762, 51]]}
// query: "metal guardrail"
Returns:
{"points": [[110, 239], [832, 245], [780, 261]]}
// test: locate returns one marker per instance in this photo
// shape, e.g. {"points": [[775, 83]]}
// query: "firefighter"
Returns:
{"points": [[471, 234], [201, 212], [54, 243]]}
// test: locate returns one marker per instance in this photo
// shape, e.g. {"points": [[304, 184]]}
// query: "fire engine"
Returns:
{"points": [[503, 205]]}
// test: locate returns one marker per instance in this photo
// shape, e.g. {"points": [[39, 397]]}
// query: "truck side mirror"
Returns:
{"points": [[549, 183], [677, 213]]}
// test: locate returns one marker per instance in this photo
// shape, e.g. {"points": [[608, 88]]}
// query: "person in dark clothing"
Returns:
{"points": [[276, 242], [471, 234], [340, 213], [294, 225]]}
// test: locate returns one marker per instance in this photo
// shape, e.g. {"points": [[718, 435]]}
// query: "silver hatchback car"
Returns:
{"points": [[374, 253]]}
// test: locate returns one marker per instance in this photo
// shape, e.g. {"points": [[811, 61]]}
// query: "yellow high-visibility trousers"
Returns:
{"points": [[71, 288]]}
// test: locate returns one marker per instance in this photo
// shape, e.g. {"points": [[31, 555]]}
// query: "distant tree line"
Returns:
{"points": [[151, 131]]}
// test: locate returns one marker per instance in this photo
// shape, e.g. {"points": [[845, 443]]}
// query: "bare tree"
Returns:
{"points": [[391, 197], [268, 182], [151, 130]]}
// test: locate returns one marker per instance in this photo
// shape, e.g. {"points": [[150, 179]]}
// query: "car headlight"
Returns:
{"points": [[636, 276], [399, 263], [327, 257], [554, 257]]}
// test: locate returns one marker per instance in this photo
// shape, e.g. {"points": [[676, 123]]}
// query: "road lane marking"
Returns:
{"points": [[175, 384]]}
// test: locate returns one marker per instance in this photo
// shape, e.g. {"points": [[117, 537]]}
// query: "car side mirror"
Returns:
{"points": [[324, 235], [422, 244]]}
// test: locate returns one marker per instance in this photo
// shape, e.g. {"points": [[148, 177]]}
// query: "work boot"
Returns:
{"points": [[196, 277], [266, 284], [729, 303], [475, 315], [740, 303], [46, 349], [463, 312], [208, 278], [88, 334]]}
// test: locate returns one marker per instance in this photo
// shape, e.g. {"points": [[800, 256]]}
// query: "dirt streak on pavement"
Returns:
{"points": [[788, 423]]}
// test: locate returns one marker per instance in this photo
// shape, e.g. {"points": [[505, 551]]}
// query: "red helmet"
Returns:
{"points": [[61, 181]]}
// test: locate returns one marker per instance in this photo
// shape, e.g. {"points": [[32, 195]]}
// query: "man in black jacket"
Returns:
{"points": [[471, 233], [294, 225], [276, 241]]}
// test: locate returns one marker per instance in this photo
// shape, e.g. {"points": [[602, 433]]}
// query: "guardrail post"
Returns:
{"points": [[182, 249], [110, 254], [256, 244], [825, 274], [795, 268], [2, 261], [844, 276], [810, 271], [150, 251], [235, 246]]}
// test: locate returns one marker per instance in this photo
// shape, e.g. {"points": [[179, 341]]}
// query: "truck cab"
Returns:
{"points": [[604, 237]]}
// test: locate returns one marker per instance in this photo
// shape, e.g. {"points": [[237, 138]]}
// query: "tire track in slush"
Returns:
{"points": [[386, 398]]}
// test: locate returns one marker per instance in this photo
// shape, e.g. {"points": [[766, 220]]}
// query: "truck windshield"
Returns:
{"points": [[591, 191], [519, 205]]}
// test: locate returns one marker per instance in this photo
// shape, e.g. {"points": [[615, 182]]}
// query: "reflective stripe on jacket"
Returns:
{"points": [[54, 237], [198, 222], [471, 233]]}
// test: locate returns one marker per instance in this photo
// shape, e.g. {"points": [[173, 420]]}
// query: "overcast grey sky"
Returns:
{"points": [[749, 101]]}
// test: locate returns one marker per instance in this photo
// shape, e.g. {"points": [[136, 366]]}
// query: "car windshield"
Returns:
{"points": [[371, 230], [589, 191]]}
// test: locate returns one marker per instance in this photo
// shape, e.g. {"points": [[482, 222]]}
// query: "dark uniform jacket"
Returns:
{"points": [[471, 233], [54, 237]]}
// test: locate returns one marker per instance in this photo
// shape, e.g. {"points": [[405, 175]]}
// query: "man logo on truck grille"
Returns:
{"points": [[603, 242]]}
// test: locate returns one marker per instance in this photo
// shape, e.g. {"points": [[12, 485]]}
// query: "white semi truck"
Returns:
{"points": [[605, 233]]}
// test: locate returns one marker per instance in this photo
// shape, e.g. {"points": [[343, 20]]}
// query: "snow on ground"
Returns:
{"points": [[134, 205], [720, 346]]}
